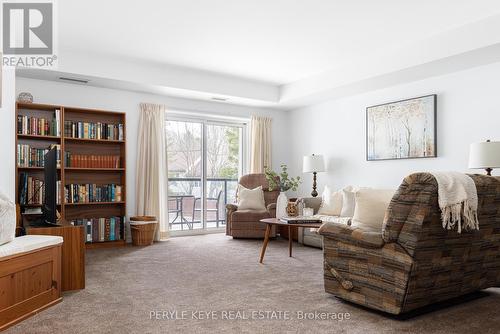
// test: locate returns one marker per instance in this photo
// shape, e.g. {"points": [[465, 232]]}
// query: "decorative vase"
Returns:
{"points": [[281, 204], [25, 97]]}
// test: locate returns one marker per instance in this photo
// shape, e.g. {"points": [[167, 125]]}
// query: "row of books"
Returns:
{"points": [[28, 125], [93, 130], [88, 193], [102, 229], [28, 156], [91, 161], [32, 190]]}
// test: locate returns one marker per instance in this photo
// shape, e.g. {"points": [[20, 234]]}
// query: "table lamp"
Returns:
{"points": [[485, 155], [313, 164]]}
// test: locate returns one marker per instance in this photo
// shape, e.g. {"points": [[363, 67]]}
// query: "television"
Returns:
{"points": [[49, 207]]}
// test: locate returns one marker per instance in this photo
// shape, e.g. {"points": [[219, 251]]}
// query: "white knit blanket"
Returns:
{"points": [[457, 197]]}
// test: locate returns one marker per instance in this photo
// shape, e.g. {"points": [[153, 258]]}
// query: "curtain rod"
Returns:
{"points": [[207, 115]]}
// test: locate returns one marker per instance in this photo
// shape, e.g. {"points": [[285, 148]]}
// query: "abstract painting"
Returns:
{"points": [[403, 129]]}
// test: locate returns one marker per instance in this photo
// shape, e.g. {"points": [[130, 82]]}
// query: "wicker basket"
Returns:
{"points": [[143, 230]]}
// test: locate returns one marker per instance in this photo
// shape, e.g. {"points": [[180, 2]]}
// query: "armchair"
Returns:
{"points": [[412, 261], [246, 223]]}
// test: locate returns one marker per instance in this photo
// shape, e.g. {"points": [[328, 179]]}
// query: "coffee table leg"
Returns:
{"points": [[290, 241], [266, 240]]}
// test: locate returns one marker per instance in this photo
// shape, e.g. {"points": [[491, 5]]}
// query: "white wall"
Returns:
{"points": [[126, 101], [7, 133], [468, 111]]}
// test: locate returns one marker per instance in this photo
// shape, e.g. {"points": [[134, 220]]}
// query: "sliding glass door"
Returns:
{"points": [[205, 160]]}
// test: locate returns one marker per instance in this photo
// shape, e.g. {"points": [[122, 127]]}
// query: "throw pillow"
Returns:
{"points": [[371, 205], [348, 202], [251, 199], [331, 202], [7, 220]]}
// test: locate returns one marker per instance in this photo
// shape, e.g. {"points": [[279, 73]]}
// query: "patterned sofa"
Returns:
{"points": [[412, 261]]}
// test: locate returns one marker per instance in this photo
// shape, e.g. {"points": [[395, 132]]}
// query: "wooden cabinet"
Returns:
{"points": [[29, 283], [73, 253]]}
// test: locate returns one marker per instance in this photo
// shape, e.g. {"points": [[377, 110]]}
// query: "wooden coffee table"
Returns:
{"points": [[274, 221]]}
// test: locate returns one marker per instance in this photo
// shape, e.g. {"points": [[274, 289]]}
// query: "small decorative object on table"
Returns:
{"points": [[283, 183], [292, 209], [25, 97], [308, 212]]}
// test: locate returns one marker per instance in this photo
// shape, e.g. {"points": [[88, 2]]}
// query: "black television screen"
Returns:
{"points": [[50, 201]]}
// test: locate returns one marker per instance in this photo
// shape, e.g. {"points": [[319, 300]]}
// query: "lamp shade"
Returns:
{"points": [[313, 163], [484, 155]]}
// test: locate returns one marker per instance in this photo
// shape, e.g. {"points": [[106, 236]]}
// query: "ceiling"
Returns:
{"points": [[276, 41], [271, 53]]}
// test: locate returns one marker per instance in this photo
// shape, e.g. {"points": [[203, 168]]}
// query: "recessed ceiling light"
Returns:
{"points": [[74, 80], [219, 99]]}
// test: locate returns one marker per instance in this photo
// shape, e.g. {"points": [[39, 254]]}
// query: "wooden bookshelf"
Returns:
{"points": [[79, 175]]}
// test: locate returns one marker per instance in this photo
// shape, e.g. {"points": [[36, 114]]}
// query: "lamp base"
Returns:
{"points": [[488, 171], [314, 193]]}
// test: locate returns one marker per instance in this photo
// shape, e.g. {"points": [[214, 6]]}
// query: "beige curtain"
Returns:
{"points": [[151, 180], [260, 143]]}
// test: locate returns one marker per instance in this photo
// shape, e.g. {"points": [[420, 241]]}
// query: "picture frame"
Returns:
{"points": [[403, 129]]}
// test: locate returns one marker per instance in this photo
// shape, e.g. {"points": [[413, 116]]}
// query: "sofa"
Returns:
{"points": [[246, 223], [411, 260], [310, 236]]}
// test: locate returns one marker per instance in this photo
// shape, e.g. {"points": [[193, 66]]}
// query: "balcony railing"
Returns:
{"points": [[185, 197]]}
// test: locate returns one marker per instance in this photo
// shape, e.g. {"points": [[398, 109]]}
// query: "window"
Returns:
{"points": [[205, 160]]}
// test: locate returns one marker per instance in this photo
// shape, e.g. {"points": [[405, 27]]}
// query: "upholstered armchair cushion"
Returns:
{"points": [[252, 181], [362, 235], [249, 215]]}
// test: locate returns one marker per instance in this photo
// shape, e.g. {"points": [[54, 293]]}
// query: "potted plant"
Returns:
{"points": [[283, 182]]}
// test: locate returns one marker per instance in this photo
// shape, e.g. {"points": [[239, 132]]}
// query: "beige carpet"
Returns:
{"points": [[216, 273]]}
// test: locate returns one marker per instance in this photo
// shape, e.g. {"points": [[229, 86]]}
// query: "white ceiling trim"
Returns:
{"points": [[464, 47]]}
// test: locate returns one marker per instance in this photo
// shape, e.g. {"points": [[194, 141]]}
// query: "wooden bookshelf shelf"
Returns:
{"points": [[30, 168], [95, 203], [79, 146], [82, 169], [33, 168], [94, 140], [105, 244], [34, 205], [52, 138]]}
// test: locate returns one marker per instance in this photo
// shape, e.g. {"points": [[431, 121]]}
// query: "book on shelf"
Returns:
{"points": [[102, 229], [91, 161], [92, 193], [28, 156], [29, 125], [85, 130], [300, 220], [32, 190]]}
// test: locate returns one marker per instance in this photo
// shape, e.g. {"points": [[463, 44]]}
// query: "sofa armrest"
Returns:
{"points": [[231, 207], [355, 234]]}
